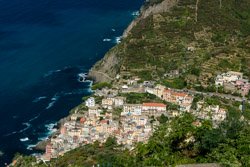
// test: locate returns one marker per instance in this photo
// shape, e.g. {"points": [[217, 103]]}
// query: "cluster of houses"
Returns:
{"points": [[210, 112], [135, 122], [97, 124], [183, 99], [233, 82]]}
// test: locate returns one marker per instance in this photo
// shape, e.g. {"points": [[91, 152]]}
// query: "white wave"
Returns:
{"points": [[39, 99], [55, 71], [28, 125], [113, 29], [50, 130], [53, 101], [31, 146], [34, 118], [9, 134], [118, 40], [82, 77], [51, 72], [135, 13], [51, 104], [106, 40], [50, 127], [43, 138], [24, 139]]}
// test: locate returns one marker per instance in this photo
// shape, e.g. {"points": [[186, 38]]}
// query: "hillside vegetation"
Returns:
{"points": [[198, 40], [174, 142]]}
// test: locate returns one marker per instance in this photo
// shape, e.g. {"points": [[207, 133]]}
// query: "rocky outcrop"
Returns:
{"points": [[106, 69]]}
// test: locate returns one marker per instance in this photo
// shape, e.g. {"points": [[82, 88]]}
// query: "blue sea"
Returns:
{"points": [[44, 45]]}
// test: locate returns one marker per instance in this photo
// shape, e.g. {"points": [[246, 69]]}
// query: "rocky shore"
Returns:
{"points": [[41, 145]]}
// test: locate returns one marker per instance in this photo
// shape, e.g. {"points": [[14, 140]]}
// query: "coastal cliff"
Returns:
{"points": [[107, 68]]}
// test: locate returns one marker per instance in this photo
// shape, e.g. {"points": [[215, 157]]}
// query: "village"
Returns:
{"points": [[233, 82], [107, 113]]}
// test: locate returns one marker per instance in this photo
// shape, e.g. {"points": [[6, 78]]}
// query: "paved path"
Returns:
{"points": [[225, 96], [106, 75]]}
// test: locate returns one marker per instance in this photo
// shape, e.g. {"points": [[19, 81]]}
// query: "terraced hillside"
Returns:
{"points": [[196, 37]]}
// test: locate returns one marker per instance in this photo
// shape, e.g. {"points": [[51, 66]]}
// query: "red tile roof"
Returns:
{"points": [[104, 121], [174, 93], [154, 105], [180, 94]]}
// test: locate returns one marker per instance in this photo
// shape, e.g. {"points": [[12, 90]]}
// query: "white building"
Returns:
{"points": [[107, 103], [132, 109], [228, 77], [90, 102], [160, 107], [119, 101], [94, 111]]}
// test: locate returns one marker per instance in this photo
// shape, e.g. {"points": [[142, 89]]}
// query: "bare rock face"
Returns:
{"points": [[106, 69]]}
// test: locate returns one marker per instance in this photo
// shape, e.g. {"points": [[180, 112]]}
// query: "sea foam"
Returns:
{"points": [[53, 101], [118, 40], [106, 40], [39, 99], [24, 139]]}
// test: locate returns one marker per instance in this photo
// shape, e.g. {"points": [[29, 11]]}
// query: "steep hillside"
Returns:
{"points": [[106, 69], [197, 38]]}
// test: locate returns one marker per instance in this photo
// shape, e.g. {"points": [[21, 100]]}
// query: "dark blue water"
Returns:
{"points": [[44, 45]]}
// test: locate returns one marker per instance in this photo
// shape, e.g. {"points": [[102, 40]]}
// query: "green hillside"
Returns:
{"points": [[217, 36], [220, 38], [199, 38]]}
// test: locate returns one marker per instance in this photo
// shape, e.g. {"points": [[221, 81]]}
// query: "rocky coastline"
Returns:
{"points": [[41, 145]]}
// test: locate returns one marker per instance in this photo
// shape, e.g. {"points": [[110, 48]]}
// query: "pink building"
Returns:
{"points": [[154, 106], [63, 130]]}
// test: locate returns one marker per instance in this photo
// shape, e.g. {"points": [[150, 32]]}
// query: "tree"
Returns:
{"points": [[226, 155], [110, 142], [162, 119]]}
